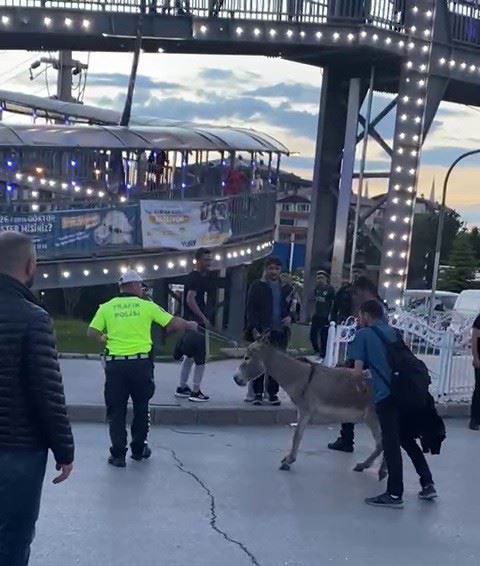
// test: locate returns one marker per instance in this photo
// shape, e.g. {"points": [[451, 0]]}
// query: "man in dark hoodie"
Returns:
{"points": [[268, 310]]}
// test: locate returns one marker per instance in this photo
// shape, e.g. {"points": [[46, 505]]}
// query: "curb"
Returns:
{"points": [[223, 416]]}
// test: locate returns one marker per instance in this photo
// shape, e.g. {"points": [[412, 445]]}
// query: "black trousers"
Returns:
{"points": [[128, 379], [475, 409], [280, 341], [319, 334], [396, 435], [21, 481]]}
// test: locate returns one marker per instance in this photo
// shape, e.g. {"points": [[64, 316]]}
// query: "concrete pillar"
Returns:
{"points": [[237, 297]]}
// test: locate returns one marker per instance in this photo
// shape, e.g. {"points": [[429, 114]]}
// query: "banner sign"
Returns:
{"points": [[71, 231], [184, 225]]}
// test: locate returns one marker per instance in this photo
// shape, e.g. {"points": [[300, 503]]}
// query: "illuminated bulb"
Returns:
{"points": [[442, 61], [235, 254], [413, 153], [463, 65], [405, 237], [399, 285], [395, 200], [218, 257], [415, 9], [410, 189], [123, 269], [406, 219], [256, 32], [413, 29], [45, 275], [429, 13], [273, 33], [35, 207], [318, 35], [375, 37], [77, 189], [392, 235], [289, 33], [47, 21], [404, 117], [411, 172], [390, 253], [68, 22], [363, 33], [397, 187], [183, 263], [30, 179], [86, 272], [419, 101], [229, 255], [123, 199], [140, 268], [388, 271], [411, 45], [43, 181], [101, 194], [472, 68], [51, 183], [170, 265], [258, 248], [423, 68], [66, 274], [398, 169], [408, 202], [400, 150], [409, 64], [386, 284], [5, 20], [421, 83], [302, 34], [426, 32], [350, 37], [203, 29], [64, 186], [388, 41], [397, 302], [405, 99], [415, 138], [336, 36], [393, 218], [401, 44], [35, 194], [105, 271], [249, 251], [86, 24], [425, 48], [402, 136], [89, 191], [242, 252], [239, 31], [403, 255], [401, 272], [155, 267], [18, 176], [452, 63]]}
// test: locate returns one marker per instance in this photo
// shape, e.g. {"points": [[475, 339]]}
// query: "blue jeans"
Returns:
{"points": [[21, 480]]}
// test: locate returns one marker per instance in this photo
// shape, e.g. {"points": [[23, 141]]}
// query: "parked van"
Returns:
{"points": [[418, 300]]}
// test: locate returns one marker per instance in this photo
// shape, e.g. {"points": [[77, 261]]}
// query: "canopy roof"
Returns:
{"points": [[179, 137]]}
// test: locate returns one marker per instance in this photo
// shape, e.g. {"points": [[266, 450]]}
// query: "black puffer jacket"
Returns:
{"points": [[32, 401]]}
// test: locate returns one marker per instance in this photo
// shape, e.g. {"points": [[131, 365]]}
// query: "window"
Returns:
{"points": [[286, 207], [286, 222], [304, 207]]}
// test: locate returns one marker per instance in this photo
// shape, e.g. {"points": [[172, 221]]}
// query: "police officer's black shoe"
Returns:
{"points": [[117, 461], [341, 446], [145, 455]]}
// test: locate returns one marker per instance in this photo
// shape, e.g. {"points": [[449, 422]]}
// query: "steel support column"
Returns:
{"points": [[413, 119], [326, 174], [345, 186]]}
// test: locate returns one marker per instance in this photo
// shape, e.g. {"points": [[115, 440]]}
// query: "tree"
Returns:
{"points": [[423, 246], [474, 236], [461, 265]]}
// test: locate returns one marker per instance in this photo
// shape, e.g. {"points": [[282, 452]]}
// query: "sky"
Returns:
{"points": [[277, 97]]}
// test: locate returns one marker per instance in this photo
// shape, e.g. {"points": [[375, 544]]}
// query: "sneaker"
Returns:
{"points": [[258, 401], [341, 446], [145, 455], [198, 397], [249, 399], [474, 425], [274, 401], [385, 500], [183, 392], [117, 461], [428, 493]]}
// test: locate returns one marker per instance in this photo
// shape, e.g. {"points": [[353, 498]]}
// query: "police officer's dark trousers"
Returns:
{"points": [[124, 379]]}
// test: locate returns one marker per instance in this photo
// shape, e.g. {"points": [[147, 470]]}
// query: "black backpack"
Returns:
{"points": [[410, 376]]}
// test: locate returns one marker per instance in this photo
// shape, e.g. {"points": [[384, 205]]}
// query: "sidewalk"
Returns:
{"points": [[84, 390]]}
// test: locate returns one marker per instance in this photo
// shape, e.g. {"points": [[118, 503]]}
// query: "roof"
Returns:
{"points": [[181, 137], [19, 103]]}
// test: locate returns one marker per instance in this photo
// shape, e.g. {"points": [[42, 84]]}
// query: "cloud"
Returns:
{"points": [[217, 74], [120, 80], [296, 92]]}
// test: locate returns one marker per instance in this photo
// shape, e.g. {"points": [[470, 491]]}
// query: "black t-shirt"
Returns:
{"points": [[203, 285], [324, 297], [476, 325]]}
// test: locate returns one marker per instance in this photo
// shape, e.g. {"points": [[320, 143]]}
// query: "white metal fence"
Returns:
{"points": [[446, 352]]}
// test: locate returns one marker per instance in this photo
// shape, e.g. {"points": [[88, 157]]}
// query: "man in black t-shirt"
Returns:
{"points": [[475, 408], [192, 345], [324, 297]]}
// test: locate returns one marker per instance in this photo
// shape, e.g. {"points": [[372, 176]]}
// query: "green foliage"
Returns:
{"points": [[462, 265], [423, 246]]}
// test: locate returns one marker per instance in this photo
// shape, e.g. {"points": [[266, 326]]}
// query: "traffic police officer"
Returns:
{"points": [[124, 324]]}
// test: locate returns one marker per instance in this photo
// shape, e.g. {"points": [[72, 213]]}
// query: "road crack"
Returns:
{"points": [[213, 507]]}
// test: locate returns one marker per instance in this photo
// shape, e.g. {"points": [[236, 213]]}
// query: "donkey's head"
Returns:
{"points": [[252, 364]]}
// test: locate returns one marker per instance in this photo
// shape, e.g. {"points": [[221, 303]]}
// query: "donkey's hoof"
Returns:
{"points": [[284, 465], [382, 474], [359, 468]]}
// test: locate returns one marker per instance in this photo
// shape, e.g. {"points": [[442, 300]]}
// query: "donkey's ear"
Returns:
{"points": [[265, 337]]}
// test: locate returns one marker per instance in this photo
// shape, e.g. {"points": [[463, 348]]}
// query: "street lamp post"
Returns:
{"points": [[441, 222]]}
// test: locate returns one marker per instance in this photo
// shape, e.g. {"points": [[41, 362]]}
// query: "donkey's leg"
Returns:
{"points": [[371, 420], [303, 420]]}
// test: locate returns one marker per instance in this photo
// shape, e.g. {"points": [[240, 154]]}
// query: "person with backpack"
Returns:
{"points": [[400, 383]]}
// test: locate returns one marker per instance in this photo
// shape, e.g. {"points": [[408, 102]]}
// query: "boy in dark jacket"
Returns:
{"points": [[268, 310]]}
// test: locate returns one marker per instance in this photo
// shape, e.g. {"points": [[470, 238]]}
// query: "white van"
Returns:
{"points": [[418, 300], [468, 303]]}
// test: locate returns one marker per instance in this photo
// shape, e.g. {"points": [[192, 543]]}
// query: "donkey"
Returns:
{"points": [[314, 389]]}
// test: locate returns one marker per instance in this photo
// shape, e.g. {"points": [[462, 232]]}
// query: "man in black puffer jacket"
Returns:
{"points": [[33, 416]]}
